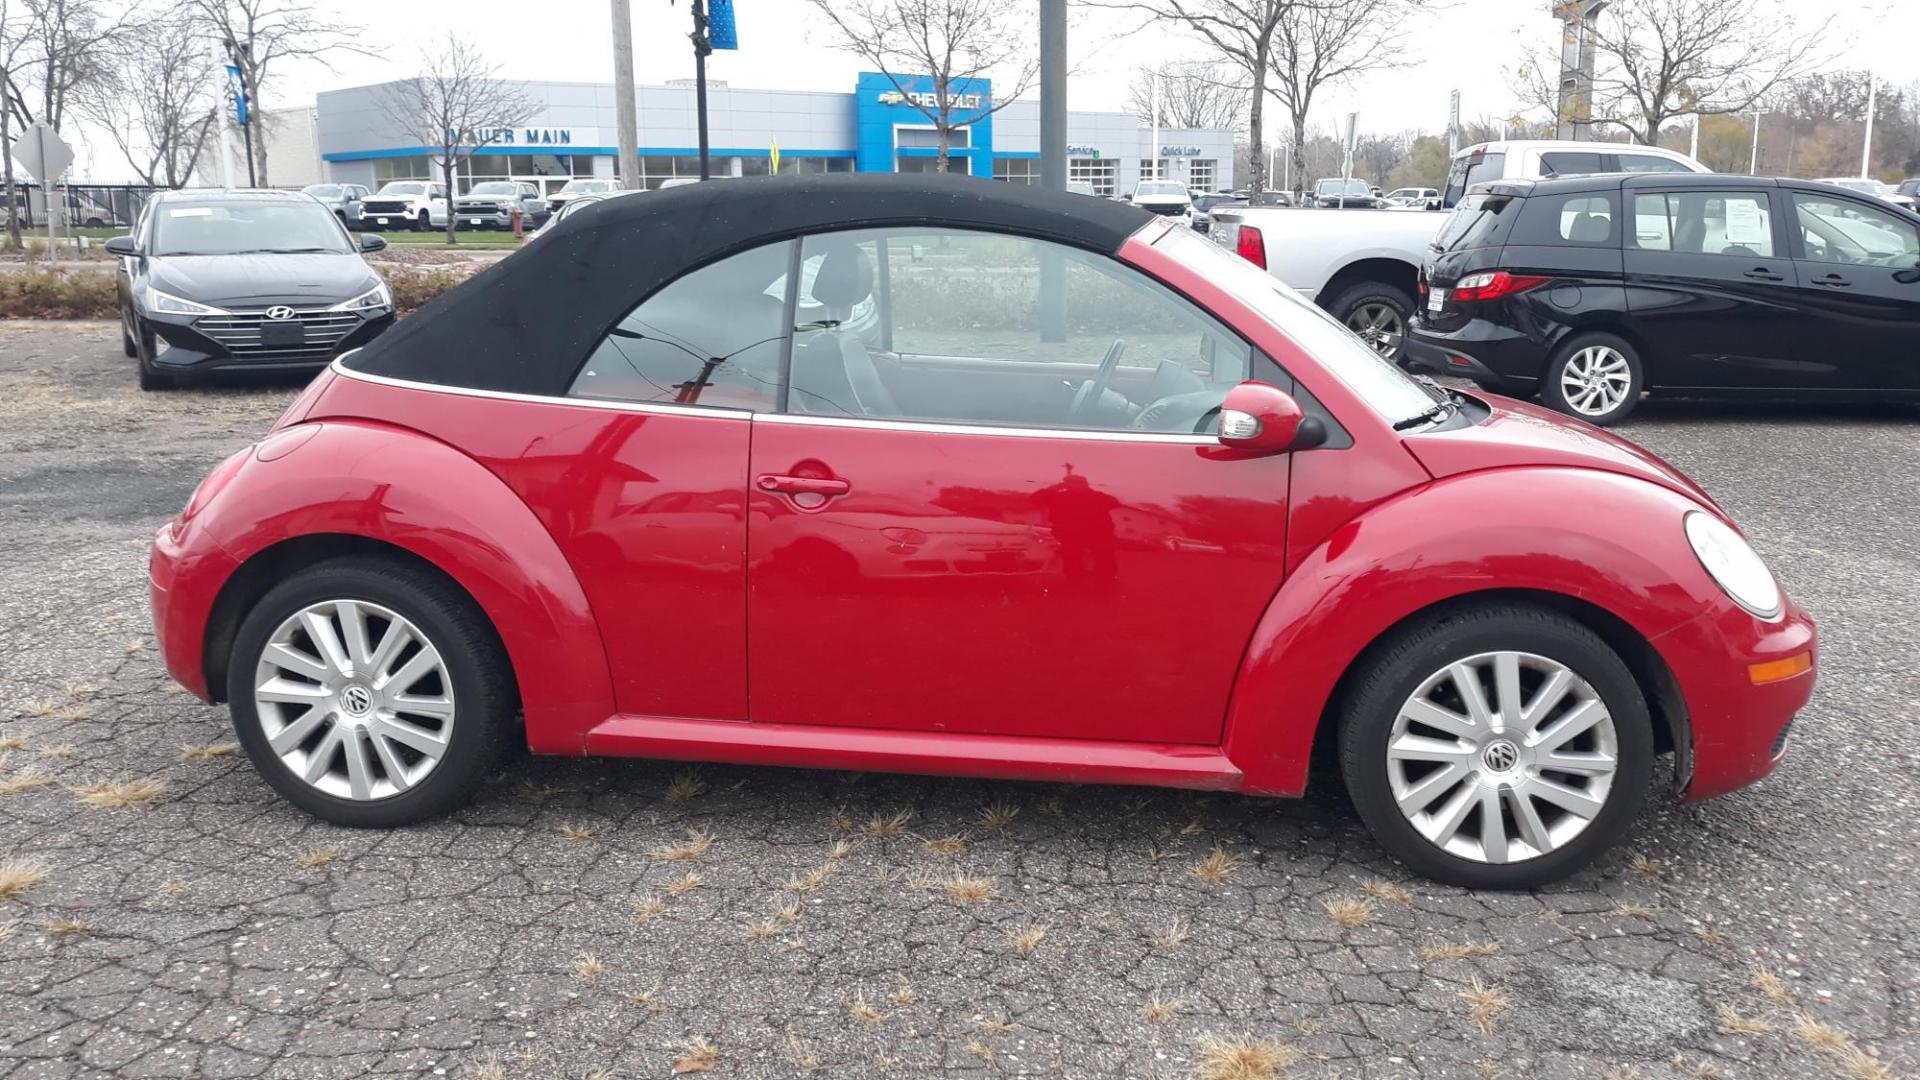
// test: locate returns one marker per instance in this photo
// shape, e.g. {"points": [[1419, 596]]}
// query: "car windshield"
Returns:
{"points": [[1471, 222], [404, 187], [1159, 187], [577, 187], [237, 228], [323, 191], [1372, 377], [1342, 187], [496, 187]]}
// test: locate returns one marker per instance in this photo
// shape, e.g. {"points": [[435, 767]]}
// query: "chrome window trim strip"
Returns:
{"points": [[537, 399], [936, 427], [1088, 434]]}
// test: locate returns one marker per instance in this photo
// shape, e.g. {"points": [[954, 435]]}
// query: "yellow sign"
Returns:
{"points": [[773, 157]]}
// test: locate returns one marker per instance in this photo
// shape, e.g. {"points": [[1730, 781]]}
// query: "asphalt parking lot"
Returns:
{"points": [[633, 919]]}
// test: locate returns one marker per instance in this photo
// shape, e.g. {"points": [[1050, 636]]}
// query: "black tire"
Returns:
{"points": [[126, 340], [1372, 294], [423, 223], [486, 728], [150, 378], [1554, 393], [1396, 668]]}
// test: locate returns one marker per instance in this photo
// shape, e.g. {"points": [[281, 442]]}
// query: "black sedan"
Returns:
{"points": [[1594, 290], [243, 280]]}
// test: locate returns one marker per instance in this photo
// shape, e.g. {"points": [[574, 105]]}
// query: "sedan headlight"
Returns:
{"points": [[378, 298], [1734, 565], [169, 304]]}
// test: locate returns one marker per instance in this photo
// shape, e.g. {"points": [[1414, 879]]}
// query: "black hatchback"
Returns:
{"points": [[1593, 290]]}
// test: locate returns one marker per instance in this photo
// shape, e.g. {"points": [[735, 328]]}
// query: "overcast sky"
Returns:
{"points": [[1467, 45]]}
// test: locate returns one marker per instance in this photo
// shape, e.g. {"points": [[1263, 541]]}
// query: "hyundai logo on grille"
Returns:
{"points": [[280, 312]]}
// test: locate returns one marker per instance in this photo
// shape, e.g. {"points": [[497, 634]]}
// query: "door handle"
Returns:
{"points": [[1761, 273], [1833, 281], [804, 485]]}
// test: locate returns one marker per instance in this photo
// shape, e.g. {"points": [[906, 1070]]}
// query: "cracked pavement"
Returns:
{"points": [[542, 932]]}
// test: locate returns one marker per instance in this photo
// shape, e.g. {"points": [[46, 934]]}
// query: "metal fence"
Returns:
{"points": [[92, 206]]}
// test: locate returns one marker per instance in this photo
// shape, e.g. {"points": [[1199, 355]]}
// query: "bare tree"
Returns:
{"points": [[1656, 60], [50, 50], [13, 48], [1192, 95], [1379, 155], [253, 34], [1241, 32], [953, 41], [1325, 42], [457, 105], [155, 98]]}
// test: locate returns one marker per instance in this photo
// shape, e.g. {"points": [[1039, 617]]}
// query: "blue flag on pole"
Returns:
{"points": [[720, 29], [237, 89]]}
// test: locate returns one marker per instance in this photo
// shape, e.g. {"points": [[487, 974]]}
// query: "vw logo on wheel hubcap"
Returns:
{"points": [[280, 312], [1501, 756], [356, 700]]}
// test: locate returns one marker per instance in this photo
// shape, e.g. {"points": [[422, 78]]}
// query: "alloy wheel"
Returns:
{"points": [[354, 699], [1502, 757], [1379, 325], [1596, 380]]}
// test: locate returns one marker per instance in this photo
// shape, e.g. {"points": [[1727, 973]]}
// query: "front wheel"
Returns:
{"points": [[371, 693], [423, 223], [1596, 377], [1502, 747]]}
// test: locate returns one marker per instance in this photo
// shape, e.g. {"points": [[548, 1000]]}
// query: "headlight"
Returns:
{"points": [[1734, 565], [378, 298], [168, 304]]}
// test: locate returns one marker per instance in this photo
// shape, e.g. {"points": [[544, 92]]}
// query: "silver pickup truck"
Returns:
{"points": [[1362, 266]]}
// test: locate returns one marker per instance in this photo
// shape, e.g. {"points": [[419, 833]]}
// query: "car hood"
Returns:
{"points": [[252, 280], [1518, 434]]}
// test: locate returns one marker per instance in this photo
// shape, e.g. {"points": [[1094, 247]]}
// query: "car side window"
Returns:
{"points": [[949, 325], [1704, 223], [1570, 163], [1648, 163], [1582, 219], [712, 337], [1835, 230]]}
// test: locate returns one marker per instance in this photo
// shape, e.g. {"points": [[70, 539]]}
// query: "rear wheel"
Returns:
{"points": [[369, 693], [1502, 747], [1596, 377], [1378, 313]]}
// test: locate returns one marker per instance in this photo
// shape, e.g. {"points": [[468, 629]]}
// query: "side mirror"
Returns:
{"points": [[1266, 420], [123, 245], [372, 241]]}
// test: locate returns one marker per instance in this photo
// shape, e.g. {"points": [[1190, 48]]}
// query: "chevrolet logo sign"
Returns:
{"points": [[892, 97]]}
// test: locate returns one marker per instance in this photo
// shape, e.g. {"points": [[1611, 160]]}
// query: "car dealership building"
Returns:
{"points": [[875, 128]]}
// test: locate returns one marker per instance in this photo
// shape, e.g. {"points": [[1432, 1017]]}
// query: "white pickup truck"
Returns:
{"points": [[1362, 266]]}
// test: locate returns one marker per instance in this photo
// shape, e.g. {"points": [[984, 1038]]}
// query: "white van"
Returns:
{"points": [[1541, 159]]}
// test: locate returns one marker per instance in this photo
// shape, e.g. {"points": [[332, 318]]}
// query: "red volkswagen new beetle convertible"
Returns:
{"points": [[935, 475]]}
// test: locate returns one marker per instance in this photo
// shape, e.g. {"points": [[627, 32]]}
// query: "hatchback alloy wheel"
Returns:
{"points": [[1596, 381], [1502, 757], [354, 699]]}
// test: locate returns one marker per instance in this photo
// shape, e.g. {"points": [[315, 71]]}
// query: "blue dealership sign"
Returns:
{"points": [[237, 88], [720, 29]]}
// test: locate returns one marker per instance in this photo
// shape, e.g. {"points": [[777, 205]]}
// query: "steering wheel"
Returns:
{"points": [[1086, 403]]}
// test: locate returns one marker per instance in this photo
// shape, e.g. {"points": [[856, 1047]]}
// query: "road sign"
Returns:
{"points": [[721, 33], [43, 153]]}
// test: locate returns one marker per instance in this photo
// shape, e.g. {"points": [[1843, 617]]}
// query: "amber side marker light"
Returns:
{"points": [[1776, 670]]}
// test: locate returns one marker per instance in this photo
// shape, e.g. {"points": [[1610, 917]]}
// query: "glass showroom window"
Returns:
{"points": [[1153, 168], [385, 169], [1017, 170], [1102, 173], [1201, 173]]}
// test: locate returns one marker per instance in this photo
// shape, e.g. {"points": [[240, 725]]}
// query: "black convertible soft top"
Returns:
{"points": [[526, 324]]}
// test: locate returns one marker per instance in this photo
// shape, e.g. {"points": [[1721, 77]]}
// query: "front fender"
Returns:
{"points": [[1613, 541], [405, 489]]}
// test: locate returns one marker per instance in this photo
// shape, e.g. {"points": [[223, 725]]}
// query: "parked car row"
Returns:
{"points": [[422, 205]]}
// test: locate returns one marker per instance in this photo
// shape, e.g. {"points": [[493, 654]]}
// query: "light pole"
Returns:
{"points": [[1866, 145], [625, 112], [1753, 160]]}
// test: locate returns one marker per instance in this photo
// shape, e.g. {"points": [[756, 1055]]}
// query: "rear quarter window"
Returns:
{"points": [[1580, 219], [1481, 220]]}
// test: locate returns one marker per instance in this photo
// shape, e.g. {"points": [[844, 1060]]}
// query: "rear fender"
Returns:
{"points": [[402, 488], [1500, 530]]}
